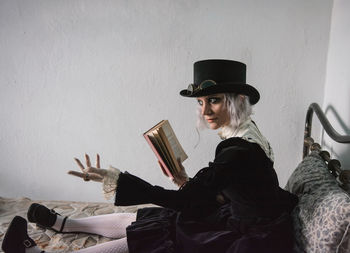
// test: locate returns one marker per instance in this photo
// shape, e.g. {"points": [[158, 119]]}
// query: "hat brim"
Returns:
{"points": [[244, 89]]}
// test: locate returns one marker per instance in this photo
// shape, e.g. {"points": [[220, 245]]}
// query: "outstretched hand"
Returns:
{"points": [[89, 173]]}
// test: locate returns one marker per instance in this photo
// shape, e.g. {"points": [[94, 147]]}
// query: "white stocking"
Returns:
{"points": [[108, 225], [117, 246]]}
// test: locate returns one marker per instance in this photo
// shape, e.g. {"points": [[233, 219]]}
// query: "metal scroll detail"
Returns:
{"points": [[325, 124]]}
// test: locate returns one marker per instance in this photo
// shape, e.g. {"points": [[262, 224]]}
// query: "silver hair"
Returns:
{"points": [[239, 109]]}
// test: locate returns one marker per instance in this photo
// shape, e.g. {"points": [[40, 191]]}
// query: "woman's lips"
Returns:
{"points": [[211, 120]]}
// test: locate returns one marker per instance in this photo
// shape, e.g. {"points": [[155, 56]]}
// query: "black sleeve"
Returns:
{"points": [[199, 191], [132, 190]]}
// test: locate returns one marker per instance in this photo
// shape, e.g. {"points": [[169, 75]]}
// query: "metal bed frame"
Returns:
{"points": [[309, 145]]}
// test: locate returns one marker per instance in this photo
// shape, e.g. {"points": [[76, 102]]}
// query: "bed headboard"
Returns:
{"points": [[321, 220], [309, 145]]}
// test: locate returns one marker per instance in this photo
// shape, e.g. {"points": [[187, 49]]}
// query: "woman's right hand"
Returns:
{"points": [[108, 178], [89, 173]]}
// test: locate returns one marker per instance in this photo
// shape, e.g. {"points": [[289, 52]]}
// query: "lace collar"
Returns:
{"points": [[249, 132]]}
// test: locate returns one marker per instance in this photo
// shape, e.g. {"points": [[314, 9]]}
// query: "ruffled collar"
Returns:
{"points": [[228, 132], [248, 131]]}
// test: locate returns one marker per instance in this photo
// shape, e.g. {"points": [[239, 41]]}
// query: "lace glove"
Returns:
{"points": [[109, 182], [108, 178]]}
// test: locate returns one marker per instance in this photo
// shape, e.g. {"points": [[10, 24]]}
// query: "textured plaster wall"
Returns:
{"points": [[92, 76], [337, 88]]}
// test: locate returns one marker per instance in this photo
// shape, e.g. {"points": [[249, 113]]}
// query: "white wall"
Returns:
{"points": [[92, 76], [337, 88]]}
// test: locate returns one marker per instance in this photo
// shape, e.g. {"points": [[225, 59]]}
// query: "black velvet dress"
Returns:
{"points": [[254, 216]]}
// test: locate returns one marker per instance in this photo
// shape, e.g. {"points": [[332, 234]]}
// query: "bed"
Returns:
{"points": [[49, 240], [321, 218]]}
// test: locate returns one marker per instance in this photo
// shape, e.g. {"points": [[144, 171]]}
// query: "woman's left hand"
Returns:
{"points": [[89, 173], [181, 177]]}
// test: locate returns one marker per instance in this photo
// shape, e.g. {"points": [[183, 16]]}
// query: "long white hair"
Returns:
{"points": [[239, 109]]}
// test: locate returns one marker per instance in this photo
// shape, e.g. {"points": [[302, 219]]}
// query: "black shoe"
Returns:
{"points": [[43, 216], [16, 239]]}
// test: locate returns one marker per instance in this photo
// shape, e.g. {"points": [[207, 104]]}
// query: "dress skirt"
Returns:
{"points": [[163, 230]]}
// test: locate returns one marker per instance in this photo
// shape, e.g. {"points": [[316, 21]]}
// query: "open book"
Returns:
{"points": [[166, 147]]}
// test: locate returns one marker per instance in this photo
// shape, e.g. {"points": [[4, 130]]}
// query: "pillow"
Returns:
{"points": [[311, 173], [322, 216]]}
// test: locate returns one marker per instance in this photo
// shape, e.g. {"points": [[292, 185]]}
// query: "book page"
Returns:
{"points": [[157, 126], [173, 141], [164, 152], [169, 149], [158, 152]]}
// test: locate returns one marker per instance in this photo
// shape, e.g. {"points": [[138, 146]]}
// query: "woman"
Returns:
{"points": [[233, 205]]}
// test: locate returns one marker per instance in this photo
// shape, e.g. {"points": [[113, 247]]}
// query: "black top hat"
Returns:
{"points": [[220, 76]]}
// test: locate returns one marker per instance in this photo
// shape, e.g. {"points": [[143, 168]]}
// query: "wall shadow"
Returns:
{"points": [[344, 154]]}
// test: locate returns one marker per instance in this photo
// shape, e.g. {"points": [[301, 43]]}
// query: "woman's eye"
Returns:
{"points": [[200, 102], [214, 100]]}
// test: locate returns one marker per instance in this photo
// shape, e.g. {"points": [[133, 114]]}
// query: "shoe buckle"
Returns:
{"points": [[27, 243]]}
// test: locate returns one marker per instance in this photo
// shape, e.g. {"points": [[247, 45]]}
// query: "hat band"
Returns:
{"points": [[193, 88]]}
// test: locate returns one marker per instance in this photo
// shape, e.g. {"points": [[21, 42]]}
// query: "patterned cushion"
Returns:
{"points": [[309, 175], [322, 216]]}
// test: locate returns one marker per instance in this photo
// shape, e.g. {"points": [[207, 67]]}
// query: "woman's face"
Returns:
{"points": [[214, 110]]}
